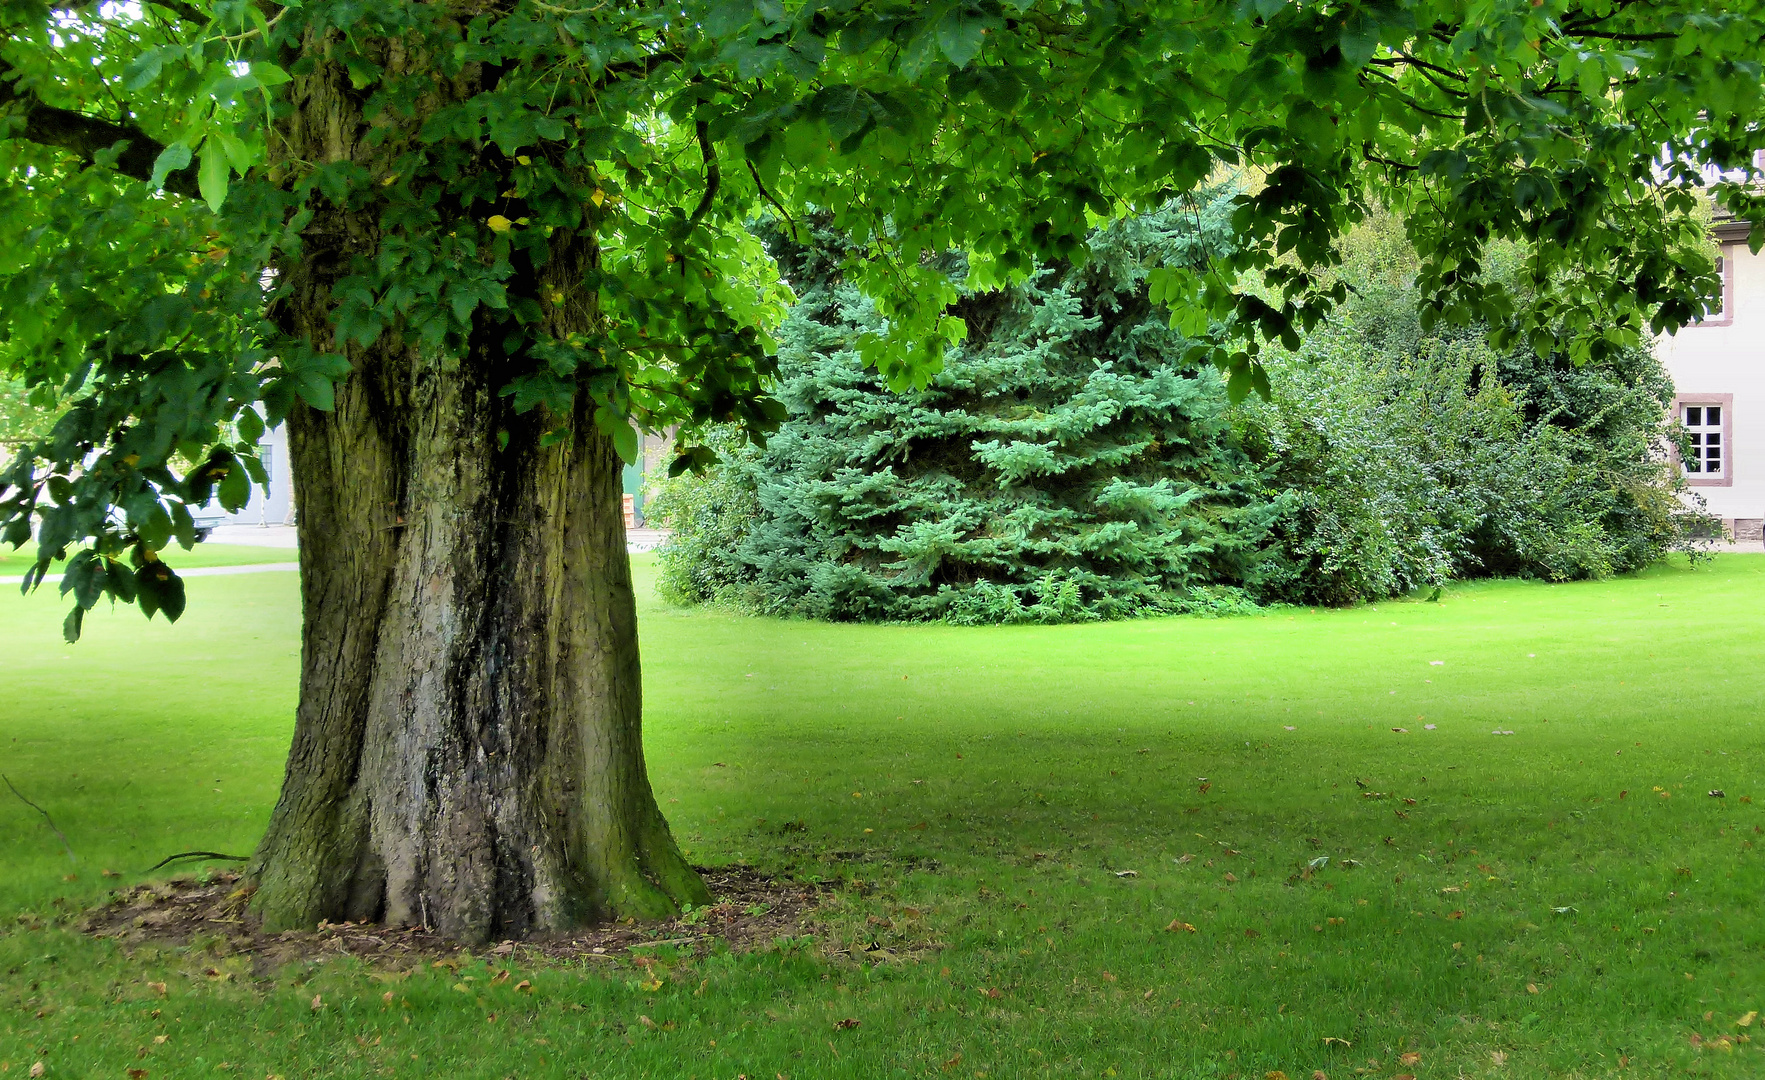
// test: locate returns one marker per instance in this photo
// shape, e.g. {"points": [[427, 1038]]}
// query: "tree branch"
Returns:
{"points": [[185, 11], [46, 819], [767, 195], [713, 173], [87, 136]]}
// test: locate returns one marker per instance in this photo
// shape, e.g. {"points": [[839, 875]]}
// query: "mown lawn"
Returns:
{"points": [[1565, 900], [14, 563]]}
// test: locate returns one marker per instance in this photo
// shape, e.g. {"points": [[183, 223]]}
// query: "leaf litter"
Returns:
{"points": [[752, 910]]}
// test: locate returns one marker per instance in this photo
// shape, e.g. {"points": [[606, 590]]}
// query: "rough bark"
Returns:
{"points": [[467, 751]]}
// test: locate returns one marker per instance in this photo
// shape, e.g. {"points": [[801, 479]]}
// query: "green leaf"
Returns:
{"points": [[960, 35], [84, 577], [251, 426], [235, 488], [143, 70], [845, 109], [239, 155], [212, 177], [1360, 38], [268, 74], [157, 588], [170, 160], [1238, 384], [625, 442], [317, 390], [70, 627]]}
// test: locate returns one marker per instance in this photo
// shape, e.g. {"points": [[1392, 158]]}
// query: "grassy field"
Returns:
{"points": [[1018, 815], [13, 563]]}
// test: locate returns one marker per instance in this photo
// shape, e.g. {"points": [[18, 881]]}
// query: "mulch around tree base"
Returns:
{"points": [[751, 909]]}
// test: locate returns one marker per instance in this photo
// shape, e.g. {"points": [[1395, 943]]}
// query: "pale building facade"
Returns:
{"points": [[1718, 370], [275, 507]]}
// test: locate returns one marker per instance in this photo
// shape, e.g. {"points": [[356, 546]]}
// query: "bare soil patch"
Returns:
{"points": [[751, 910]]}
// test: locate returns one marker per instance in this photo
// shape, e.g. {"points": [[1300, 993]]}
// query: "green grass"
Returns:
{"points": [[1040, 761], [15, 562]]}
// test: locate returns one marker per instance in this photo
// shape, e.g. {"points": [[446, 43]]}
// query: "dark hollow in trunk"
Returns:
{"points": [[467, 751]]}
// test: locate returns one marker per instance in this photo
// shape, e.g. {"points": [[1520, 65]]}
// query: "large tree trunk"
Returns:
{"points": [[467, 752]]}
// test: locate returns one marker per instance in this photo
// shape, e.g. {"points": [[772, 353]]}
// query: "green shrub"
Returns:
{"points": [[1067, 465]]}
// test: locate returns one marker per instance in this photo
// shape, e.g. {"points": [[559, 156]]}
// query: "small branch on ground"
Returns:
{"points": [[46, 818], [195, 855]]}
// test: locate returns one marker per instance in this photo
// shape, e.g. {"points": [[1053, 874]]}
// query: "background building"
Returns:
{"points": [[1718, 366]]}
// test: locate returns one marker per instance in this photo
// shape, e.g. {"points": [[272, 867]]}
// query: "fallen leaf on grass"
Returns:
{"points": [[523, 987], [110, 873], [137, 1074], [1127, 873], [1252, 932], [317, 1003], [159, 1040], [1401, 730], [1232, 878], [847, 1024], [1456, 915], [1411, 1058], [1274, 1074], [1500, 1057], [647, 1022], [1747, 1020], [1532, 988], [1319, 1074], [38, 1069], [500, 977], [1331, 1040], [1178, 925]]}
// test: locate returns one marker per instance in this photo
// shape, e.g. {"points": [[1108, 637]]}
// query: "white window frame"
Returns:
{"points": [[1723, 431], [1723, 315]]}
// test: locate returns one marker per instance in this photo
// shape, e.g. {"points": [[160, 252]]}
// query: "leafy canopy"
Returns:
{"points": [[154, 212]]}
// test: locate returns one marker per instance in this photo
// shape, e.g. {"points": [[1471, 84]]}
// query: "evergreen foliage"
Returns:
{"points": [[1067, 465]]}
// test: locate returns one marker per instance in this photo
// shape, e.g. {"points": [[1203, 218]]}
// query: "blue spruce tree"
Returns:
{"points": [[1065, 464]]}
